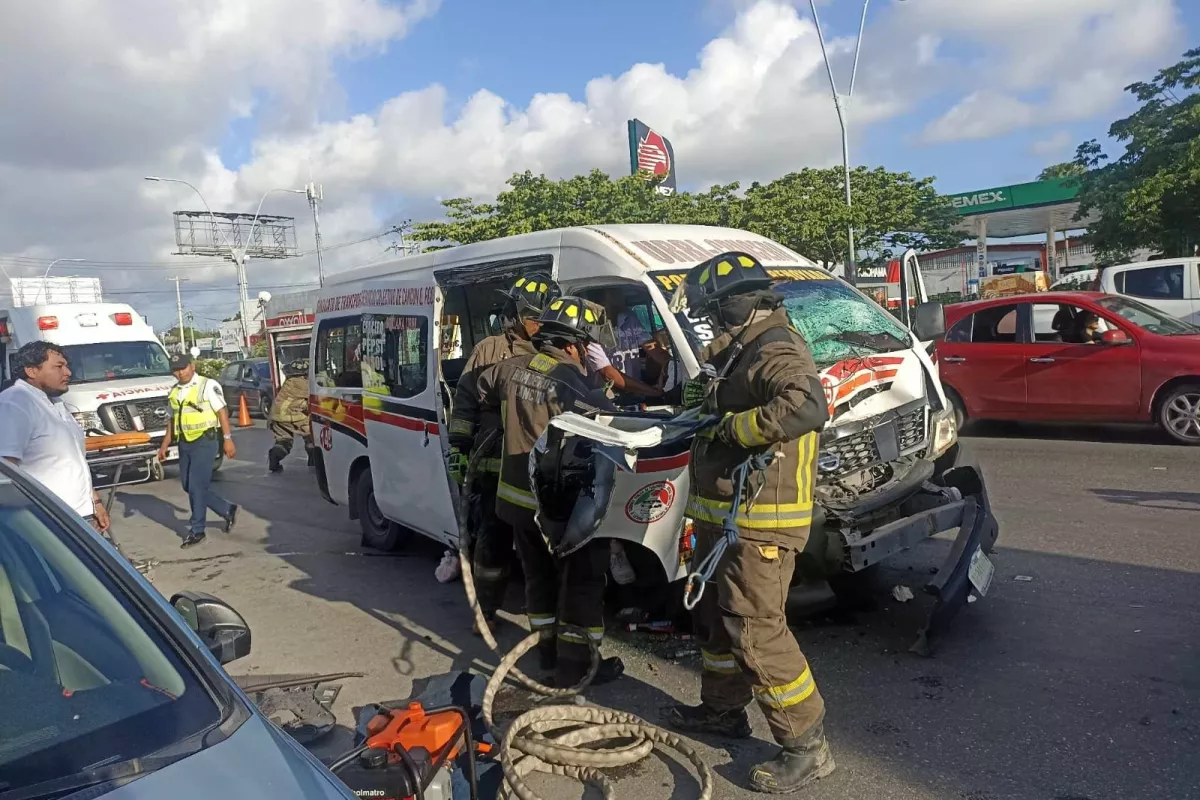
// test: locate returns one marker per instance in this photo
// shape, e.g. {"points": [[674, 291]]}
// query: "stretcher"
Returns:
{"points": [[121, 459]]}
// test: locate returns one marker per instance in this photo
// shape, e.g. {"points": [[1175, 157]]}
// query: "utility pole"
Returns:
{"points": [[315, 195], [179, 308]]}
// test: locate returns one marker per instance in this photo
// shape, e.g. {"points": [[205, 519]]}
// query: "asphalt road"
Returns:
{"points": [[1077, 678]]}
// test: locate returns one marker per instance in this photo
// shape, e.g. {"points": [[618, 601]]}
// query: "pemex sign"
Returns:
{"points": [[1020, 195]]}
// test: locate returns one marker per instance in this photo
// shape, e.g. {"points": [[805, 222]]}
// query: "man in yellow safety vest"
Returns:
{"points": [[198, 412]]}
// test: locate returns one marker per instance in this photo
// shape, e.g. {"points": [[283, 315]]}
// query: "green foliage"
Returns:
{"points": [[1067, 169], [210, 367], [1150, 196], [259, 349], [804, 210]]}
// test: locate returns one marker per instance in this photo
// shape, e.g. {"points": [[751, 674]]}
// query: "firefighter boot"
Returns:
{"points": [[801, 762], [275, 458], [733, 724], [569, 673], [312, 456]]}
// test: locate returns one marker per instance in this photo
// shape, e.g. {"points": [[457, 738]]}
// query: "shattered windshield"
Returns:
{"points": [[838, 322]]}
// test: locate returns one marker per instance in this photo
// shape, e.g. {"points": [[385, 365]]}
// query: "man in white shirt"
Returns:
{"points": [[198, 418], [38, 433]]}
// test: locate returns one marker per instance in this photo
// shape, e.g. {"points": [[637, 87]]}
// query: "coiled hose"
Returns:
{"points": [[560, 738]]}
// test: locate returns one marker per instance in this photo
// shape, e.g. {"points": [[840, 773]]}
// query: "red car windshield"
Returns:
{"points": [[1146, 317]]}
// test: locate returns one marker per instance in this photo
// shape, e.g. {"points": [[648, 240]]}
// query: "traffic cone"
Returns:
{"points": [[243, 412]]}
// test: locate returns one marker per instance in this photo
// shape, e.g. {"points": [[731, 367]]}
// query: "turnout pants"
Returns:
{"points": [[564, 592], [284, 432], [492, 550], [196, 460], [748, 651]]}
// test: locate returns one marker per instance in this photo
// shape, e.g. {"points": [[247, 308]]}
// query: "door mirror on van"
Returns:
{"points": [[1115, 336], [222, 629], [929, 321]]}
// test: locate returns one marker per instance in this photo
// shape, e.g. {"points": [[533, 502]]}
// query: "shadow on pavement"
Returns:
{"points": [[1075, 678], [1109, 434], [1166, 501]]}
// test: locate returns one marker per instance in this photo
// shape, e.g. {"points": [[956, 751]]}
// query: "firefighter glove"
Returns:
{"points": [[695, 390], [456, 465]]}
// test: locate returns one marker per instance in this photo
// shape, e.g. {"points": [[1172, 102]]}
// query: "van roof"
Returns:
{"points": [[78, 323], [637, 248]]}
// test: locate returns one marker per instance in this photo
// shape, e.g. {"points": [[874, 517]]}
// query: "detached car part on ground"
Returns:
{"points": [[578, 462]]}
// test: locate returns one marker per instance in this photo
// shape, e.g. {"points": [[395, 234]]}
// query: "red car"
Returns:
{"points": [[1072, 356]]}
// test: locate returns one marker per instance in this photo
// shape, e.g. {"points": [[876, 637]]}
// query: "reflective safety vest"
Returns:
{"points": [[193, 414]]}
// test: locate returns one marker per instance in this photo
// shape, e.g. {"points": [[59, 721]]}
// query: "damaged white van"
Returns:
{"points": [[887, 475]]}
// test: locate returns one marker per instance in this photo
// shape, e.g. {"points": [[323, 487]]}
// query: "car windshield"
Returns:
{"points": [[838, 322], [1145, 316], [107, 361], [86, 681]]}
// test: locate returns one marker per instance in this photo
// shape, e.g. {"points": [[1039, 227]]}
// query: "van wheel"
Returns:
{"points": [[378, 532], [1179, 414]]}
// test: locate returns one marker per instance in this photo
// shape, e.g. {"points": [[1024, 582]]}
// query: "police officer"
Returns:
{"points": [[289, 415], [771, 402], [564, 598], [493, 545], [199, 420]]}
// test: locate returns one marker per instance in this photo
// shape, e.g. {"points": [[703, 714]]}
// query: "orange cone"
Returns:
{"points": [[243, 420]]}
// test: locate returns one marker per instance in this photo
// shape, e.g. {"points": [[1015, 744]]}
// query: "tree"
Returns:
{"points": [[1150, 196], [1067, 169], [892, 211], [804, 210]]}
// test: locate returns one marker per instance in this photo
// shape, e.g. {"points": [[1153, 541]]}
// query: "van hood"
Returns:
{"points": [[90, 396], [860, 388]]}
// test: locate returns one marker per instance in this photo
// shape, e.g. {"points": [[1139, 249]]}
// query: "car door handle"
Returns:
{"points": [[953, 359], [1042, 360]]}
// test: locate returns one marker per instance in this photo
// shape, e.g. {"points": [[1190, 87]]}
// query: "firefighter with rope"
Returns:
{"points": [[470, 425], [761, 381]]}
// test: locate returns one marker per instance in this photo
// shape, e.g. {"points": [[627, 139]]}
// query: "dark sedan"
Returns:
{"points": [[251, 379]]}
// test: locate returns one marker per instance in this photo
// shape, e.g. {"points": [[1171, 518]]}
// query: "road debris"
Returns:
{"points": [[448, 570], [902, 593], [1023, 578]]}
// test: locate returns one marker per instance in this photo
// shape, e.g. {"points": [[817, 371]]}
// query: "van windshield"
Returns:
{"points": [[839, 322], [86, 679], [108, 361]]}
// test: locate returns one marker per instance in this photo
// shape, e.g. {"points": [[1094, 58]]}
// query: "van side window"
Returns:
{"points": [[338, 352], [1154, 283], [395, 359]]}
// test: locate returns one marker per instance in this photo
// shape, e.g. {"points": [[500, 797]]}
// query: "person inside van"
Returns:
{"points": [[599, 362]]}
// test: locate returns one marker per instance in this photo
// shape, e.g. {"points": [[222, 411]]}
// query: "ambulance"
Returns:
{"points": [[120, 373], [382, 383]]}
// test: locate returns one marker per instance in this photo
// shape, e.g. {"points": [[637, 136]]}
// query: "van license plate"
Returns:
{"points": [[980, 572]]}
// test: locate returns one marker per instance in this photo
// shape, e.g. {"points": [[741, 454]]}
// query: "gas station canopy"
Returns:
{"points": [[1026, 209]]}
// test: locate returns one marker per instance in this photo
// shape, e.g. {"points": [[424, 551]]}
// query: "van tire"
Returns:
{"points": [[1169, 416], [378, 532]]}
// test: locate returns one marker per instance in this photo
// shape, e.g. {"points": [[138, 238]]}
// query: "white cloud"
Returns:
{"points": [[1058, 145], [981, 115]]}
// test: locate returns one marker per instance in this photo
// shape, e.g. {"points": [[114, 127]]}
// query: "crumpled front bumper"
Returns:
{"points": [[960, 503]]}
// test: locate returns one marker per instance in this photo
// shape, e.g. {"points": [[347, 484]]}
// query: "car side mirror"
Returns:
{"points": [[222, 629], [929, 321], [1115, 336]]}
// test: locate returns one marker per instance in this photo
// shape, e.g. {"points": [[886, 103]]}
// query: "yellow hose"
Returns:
{"points": [[560, 738]]}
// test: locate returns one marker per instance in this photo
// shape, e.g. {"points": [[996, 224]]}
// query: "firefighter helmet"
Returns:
{"points": [[724, 275], [529, 295], [568, 318]]}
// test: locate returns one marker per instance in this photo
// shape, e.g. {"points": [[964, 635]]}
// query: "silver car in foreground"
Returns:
{"points": [[106, 687]]}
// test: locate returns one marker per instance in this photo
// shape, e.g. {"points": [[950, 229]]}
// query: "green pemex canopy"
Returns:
{"points": [[1024, 209]]}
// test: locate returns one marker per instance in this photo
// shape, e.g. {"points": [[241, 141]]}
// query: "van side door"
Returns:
{"points": [[402, 406]]}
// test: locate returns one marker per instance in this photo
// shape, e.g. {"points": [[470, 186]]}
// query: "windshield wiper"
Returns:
{"points": [[858, 339], [120, 773]]}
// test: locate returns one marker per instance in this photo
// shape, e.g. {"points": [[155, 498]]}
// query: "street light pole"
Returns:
{"points": [[179, 310], [315, 195], [46, 275], [851, 267]]}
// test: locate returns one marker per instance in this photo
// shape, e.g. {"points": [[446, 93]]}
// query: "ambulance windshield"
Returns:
{"points": [[109, 361]]}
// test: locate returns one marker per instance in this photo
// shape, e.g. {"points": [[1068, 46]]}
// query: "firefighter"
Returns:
{"points": [[493, 545], [289, 415], [771, 403], [564, 598]]}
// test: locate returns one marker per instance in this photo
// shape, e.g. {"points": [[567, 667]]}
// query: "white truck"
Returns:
{"points": [[887, 476], [120, 373]]}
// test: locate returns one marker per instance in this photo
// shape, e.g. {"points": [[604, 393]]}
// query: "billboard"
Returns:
{"points": [[651, 154]]}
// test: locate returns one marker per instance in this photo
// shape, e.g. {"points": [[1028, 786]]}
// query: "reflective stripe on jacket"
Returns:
{"points": [[774, 403], [192, 412]]}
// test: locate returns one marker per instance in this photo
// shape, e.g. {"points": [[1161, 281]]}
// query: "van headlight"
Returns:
{"points": [[945, 433], [88, 420]]}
